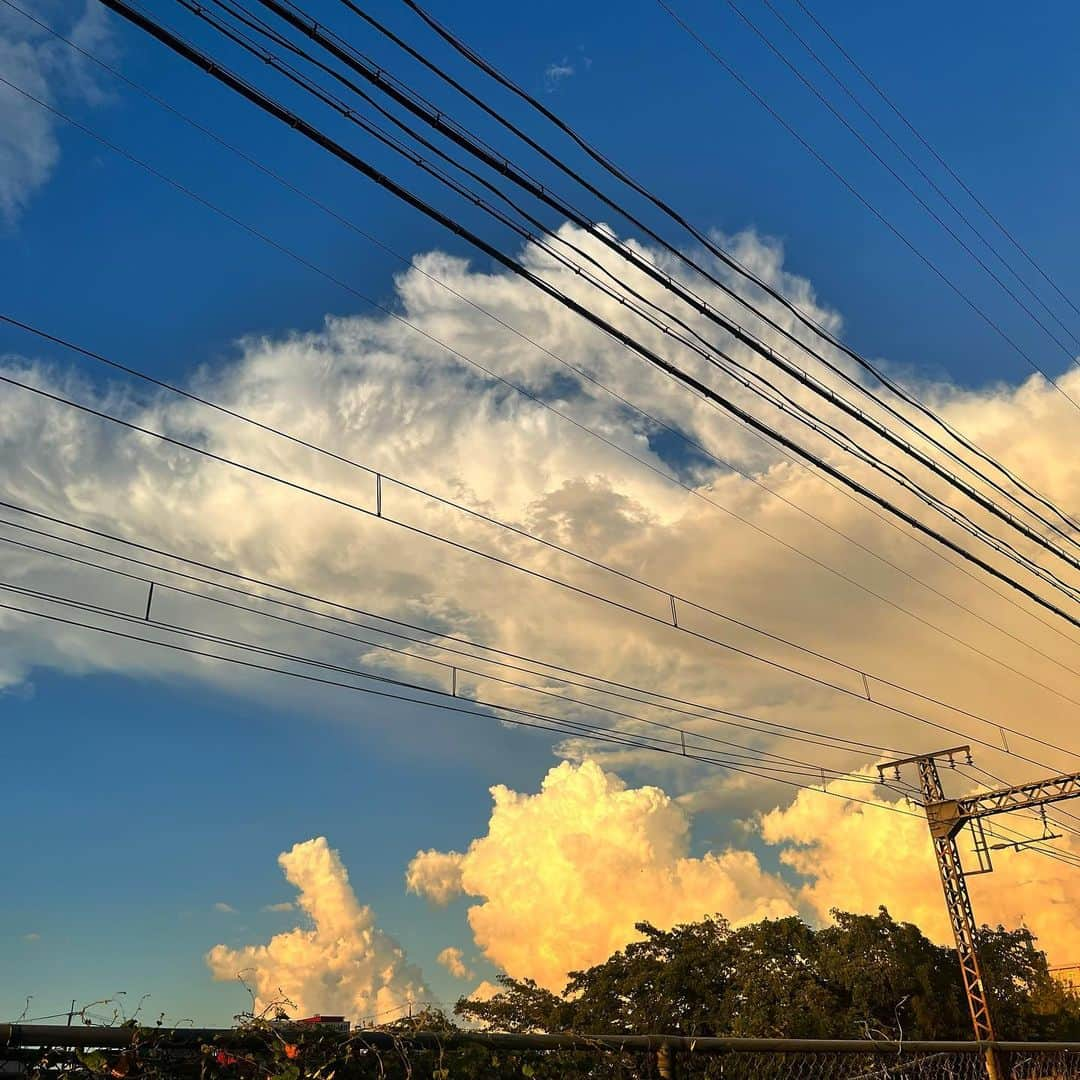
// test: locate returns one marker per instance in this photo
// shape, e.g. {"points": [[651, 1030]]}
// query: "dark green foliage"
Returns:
{"points": [[865, 975]]}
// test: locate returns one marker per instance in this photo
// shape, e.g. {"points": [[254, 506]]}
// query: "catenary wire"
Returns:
{"points": [[280, 112], [202, 400], [555, 672], [517, 717], [676, 432], [701, 237], [674, 624], [299, 594], [877, 88], [736, 751], [440, 122]]}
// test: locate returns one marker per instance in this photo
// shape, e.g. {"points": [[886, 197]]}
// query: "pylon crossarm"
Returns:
{"points": [[1020, 797]]}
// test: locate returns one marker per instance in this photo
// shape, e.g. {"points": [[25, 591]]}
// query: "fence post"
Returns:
{"points": [[665, 1063]]}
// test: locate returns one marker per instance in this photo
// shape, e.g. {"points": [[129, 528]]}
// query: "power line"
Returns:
{"points": [[280, 112], [299, 594], [864, 142], [715, 641], [941, 161], [926, 177], [703, 238], [929, 263], [437, 119], [898, 477], [803, 674], [586, 375], [883, 680], [676, 432], [488, 519]]}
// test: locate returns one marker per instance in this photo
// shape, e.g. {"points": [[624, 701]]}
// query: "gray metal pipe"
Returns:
{"points": [[119, 1038]]}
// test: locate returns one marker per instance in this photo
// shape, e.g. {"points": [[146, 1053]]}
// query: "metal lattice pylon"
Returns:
{"points": [[945, 818]]}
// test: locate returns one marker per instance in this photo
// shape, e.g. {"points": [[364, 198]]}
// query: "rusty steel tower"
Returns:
{"points": [[946, 818]]}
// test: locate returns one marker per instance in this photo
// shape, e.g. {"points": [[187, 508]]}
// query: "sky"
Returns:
{"points": [[152, 801]]}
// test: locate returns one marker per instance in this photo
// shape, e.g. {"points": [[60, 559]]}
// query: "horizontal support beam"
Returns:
{"points": [[120, 1038], [1021, 797]]}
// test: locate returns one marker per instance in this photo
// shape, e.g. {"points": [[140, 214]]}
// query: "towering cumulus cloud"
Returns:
{"points": [[856, 857], [342, 963], [563, 875]]}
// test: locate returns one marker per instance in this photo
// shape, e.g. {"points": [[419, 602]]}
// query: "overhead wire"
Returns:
{"points": [[803, 416], [735, 750], [446, 126], [432, 637], [890, 102], [786, 60], [676, 432], [517, 717], [870, 701], [293, 120], [457, 505], [707, 241], [784, 641], [910, 159], [925, 259]]}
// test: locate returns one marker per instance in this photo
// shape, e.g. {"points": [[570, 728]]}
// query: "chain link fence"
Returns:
{"points": [[274, 1052]]}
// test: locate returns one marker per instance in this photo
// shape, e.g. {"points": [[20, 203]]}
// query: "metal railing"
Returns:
{"points": [[50, 1050]]}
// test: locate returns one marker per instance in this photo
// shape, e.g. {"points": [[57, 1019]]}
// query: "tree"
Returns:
{"points": [[863, 976]]}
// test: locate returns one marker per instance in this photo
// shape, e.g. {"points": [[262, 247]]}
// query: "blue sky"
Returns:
{"points": [[135, 805]]}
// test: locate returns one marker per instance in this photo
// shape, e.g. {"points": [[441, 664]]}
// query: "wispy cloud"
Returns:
{"points": [[227, 909], [51, 71], [285, 905], [555, 73], [453, 959]]}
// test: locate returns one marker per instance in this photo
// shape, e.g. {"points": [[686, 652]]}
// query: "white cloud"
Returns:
{"points": [[32, 937], [342, 964], [285, 905], [563, 875], [856, 857], [556, 73], [485, 991], [436, 875], [51, 71], [453, 959], [225, 909], [372, 389]]}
